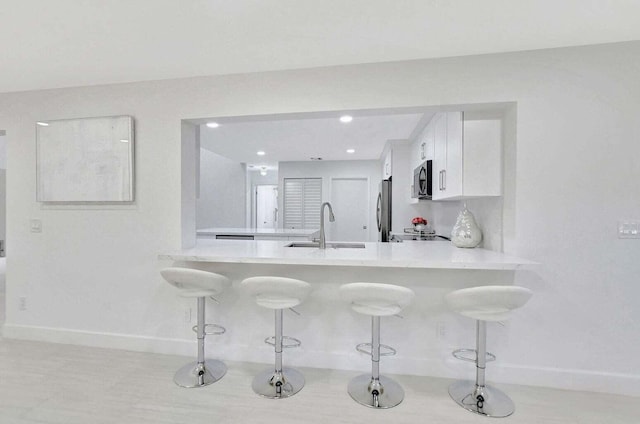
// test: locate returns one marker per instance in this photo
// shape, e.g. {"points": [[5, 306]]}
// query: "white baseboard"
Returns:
{"points": [[568, 379], [137, 343]]}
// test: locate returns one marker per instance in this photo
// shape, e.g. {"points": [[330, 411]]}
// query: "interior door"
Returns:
{"points": [[350, 202], [267, 206]]}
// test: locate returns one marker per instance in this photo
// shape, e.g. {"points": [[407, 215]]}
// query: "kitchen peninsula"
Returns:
{"points": [[430, 268], [376, 261]]}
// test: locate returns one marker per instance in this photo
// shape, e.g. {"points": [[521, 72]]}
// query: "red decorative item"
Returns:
{"points": [[419, 220]]}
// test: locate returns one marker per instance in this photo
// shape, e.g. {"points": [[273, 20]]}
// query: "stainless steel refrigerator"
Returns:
{"points": [[383, 211]]}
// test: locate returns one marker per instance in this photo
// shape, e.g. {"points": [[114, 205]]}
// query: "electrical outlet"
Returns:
{"points": [[441, 331], [629, 229], [187, 315], [36, 226], [22, 303]]}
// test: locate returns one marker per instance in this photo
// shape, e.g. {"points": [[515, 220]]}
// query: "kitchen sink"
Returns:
{"points": [[335, 245]]}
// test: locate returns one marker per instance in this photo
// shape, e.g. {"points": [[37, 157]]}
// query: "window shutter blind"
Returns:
{"points": [[302, 200], [312, 202], [293, 191]]}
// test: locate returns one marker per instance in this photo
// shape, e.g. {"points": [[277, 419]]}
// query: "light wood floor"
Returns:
{"points": [[53, 383]]}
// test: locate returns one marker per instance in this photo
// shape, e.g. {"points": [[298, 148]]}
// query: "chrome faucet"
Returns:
{"points": [[332, 218]]}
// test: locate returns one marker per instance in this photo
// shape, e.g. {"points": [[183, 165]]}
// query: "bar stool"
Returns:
{"points": [[199, 284], [487, 303], [278, 293], [376, 300]]}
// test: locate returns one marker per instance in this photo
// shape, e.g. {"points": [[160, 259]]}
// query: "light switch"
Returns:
{"points": [[629, 229], [36, 226]]}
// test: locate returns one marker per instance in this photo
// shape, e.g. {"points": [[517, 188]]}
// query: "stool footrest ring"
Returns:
{"points": [[218, 329], [463, 355], [384, 349], [287, 342]]}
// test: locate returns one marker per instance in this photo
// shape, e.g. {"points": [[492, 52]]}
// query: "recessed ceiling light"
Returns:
{"points": [[213, 124], [263, 171], [351, 150], [260, 153], [42, 124], [124, 141], [346, 118]]}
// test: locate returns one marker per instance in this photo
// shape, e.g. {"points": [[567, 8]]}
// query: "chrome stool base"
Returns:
{"points": [[361, 389], [273, 385], [487, 401], [190, 376]]}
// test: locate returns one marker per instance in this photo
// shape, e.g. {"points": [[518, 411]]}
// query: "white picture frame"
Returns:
{"points": [[85, 160]]}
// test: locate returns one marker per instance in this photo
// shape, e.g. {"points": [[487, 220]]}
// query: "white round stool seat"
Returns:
{"points": [[276, 292], [194, 282], [376, 299], [488, 303]]}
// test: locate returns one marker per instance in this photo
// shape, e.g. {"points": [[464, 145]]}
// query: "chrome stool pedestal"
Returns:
{"points": [[484, 303], [278, 293], [476, 396], [199, 374], [485, 400], [203, 371], [278, 382], [199, 284], [374, 390], [376, 300]]}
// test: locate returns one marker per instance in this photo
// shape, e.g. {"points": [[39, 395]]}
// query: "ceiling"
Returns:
{"points": [[300, 139], [62, 43]]}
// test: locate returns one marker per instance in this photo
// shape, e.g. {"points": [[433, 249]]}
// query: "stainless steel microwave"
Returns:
{"points": [[423, 180]]}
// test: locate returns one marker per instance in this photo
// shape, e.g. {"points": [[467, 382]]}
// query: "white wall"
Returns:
{"points": [[222, 201], [329, 169], [3, 151], [3, 185], [574, 174], [3, 204]]}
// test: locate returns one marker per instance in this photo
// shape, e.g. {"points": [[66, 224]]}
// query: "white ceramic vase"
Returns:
{"points": [[466, 232]]}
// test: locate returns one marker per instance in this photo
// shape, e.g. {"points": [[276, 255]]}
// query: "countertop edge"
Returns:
{"points": [[350, 263]]}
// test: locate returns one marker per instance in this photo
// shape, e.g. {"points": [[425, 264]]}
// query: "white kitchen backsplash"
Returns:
{"points": [[487, 211]]}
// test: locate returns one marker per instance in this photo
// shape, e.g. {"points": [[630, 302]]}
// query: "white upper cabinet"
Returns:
{"points": [[467, 157], [439, 124], [387, 165]]}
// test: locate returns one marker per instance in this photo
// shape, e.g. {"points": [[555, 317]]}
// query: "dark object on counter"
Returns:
{"points": [[426, 234]]}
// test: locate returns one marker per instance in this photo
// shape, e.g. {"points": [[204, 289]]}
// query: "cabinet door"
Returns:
{"points": [[439, 123], [386, 165], [429, 141], [453, 175]]}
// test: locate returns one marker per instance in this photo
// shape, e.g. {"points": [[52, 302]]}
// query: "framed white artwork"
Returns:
{"points": [[85, 160]]}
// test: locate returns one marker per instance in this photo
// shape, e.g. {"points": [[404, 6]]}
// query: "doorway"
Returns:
{"points": [[266, 206], [350, 201]]}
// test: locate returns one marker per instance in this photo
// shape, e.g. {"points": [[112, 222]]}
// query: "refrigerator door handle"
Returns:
{"points": [[379, 212]]}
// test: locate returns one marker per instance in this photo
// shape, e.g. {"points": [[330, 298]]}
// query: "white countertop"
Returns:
{"points": [[409, 254], [276, 232]]}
